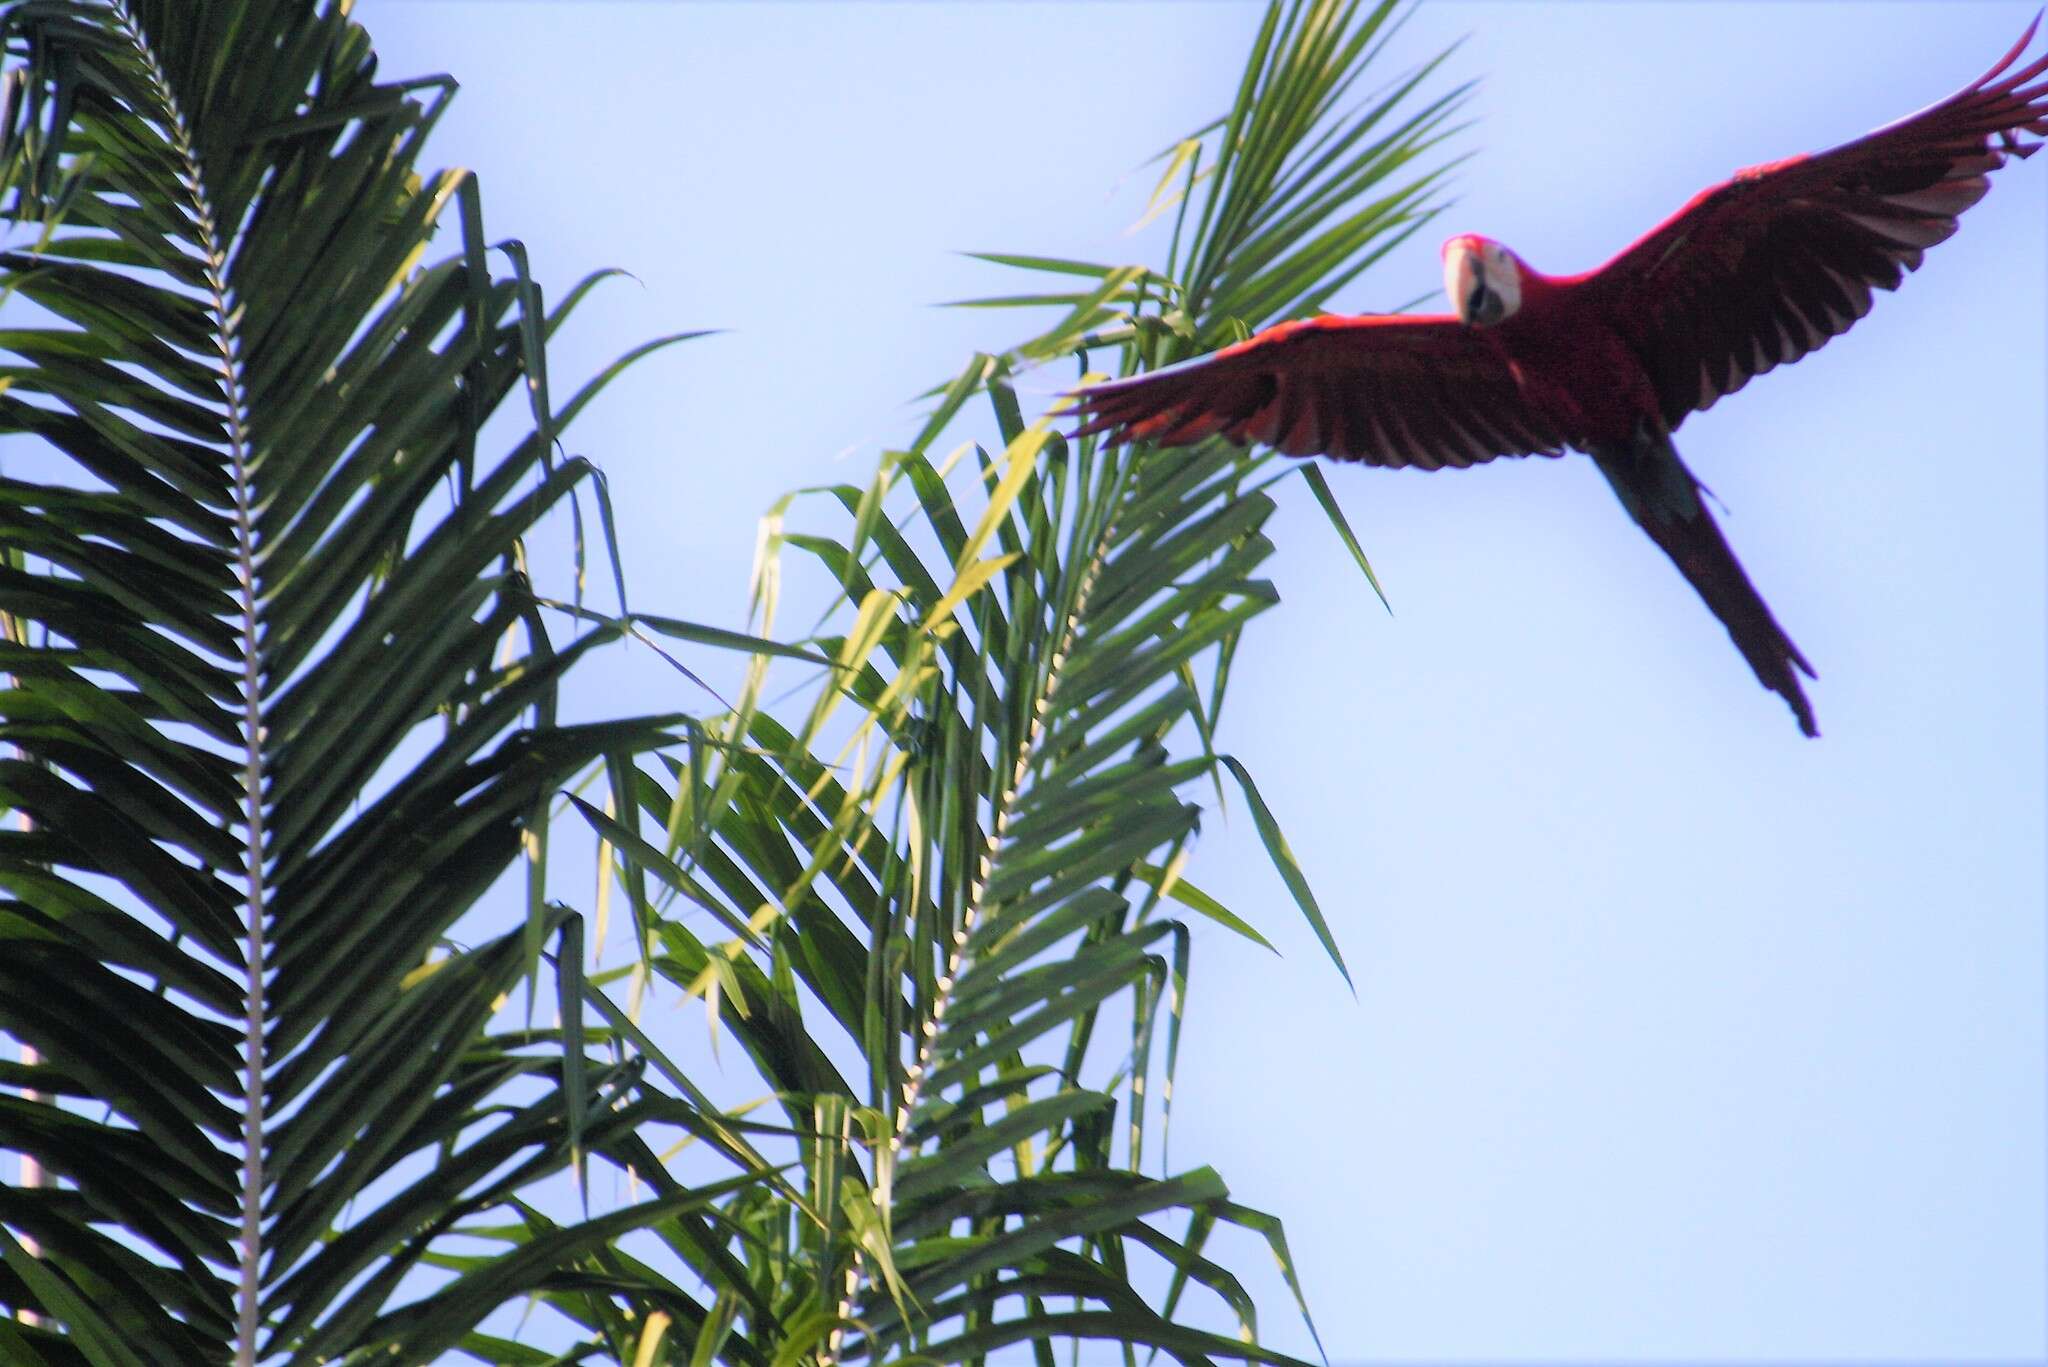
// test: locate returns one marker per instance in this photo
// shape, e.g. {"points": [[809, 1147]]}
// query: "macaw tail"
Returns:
{"points": [[1664, 499]]}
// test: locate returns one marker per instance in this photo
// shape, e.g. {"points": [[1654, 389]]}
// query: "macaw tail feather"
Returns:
{"points": [[1664, 499]]}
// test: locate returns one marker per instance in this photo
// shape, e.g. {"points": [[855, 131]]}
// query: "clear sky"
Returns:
{"points": [[1676, 1035]]}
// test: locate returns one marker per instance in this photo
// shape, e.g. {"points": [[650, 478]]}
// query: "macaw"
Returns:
{"points": [[1748, 275]]}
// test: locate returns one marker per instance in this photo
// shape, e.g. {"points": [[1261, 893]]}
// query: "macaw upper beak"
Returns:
{"points": [[1465, 282]]}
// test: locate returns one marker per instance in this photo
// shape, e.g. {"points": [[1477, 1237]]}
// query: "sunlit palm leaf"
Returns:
{"points": [[966, 850]]}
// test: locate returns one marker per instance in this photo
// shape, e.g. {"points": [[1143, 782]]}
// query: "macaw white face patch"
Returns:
{"points": [[1459, 272]]}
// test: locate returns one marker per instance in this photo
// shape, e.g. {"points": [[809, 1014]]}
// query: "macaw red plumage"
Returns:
{"points": [[1748, 275]]}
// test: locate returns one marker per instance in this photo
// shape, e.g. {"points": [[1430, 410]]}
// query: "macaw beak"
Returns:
{"points": [[1465, 282]]}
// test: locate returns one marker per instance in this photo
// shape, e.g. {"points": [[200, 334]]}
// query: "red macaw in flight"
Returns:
{"points": [[1750, 274]]}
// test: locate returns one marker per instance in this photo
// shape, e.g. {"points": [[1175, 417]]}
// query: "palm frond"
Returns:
{"points": [[280, 702], [937, 906]]}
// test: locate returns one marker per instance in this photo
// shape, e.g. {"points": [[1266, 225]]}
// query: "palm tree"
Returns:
{"points": [[283, 707]]}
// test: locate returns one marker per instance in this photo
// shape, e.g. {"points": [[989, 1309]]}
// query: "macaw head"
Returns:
{"points": [[1483, 278]]}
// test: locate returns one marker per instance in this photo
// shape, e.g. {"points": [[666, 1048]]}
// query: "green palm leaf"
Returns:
{"points": [[918, 902], [280, 700]]}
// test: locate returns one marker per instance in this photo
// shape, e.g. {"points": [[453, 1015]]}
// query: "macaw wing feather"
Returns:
{"points": [[1385, 389], [1768, 266]]}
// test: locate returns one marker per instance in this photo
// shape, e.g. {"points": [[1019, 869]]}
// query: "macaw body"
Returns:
{"points": [[1570, 364], [1748, 275]]}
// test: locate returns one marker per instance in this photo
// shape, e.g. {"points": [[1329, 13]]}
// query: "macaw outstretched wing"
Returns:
{"points": [[1384, 389], [1764, 268]]}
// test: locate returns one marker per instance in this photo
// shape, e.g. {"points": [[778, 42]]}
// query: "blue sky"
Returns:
{"points": [[1676, 1035]]}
